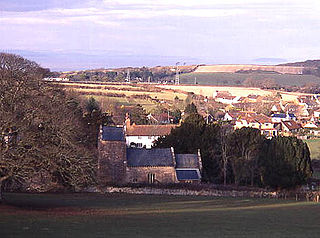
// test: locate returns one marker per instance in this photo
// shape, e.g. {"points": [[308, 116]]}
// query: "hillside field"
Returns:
{"points": [[237, 79], [123, 215]]}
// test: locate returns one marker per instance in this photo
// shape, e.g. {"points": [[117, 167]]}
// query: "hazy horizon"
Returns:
{"points": [[88, 34]]}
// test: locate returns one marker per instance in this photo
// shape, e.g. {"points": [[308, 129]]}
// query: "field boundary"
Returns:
{"points": [[297, 195]]}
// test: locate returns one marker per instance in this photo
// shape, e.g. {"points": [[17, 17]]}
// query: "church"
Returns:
{"points": [[120, 164]]}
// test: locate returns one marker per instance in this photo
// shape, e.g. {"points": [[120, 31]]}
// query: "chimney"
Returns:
{"points": [[173, 156], [199, 160], [127, 121]]}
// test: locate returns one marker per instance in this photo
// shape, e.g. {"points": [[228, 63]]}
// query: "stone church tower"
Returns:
{"points": [[112, 161]]}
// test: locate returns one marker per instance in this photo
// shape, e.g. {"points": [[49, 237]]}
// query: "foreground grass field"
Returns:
{"points": [[120, 215]]}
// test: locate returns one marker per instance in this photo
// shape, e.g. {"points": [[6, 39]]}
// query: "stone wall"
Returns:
{"points": [[112, 162], [186, 192], [162, 174]]}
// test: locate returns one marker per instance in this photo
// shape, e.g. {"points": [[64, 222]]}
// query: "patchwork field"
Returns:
{"points": [[121, 215], [207, 90]]}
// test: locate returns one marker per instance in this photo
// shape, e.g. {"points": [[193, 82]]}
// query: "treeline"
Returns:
{"points": [[143, 74], [241, 157], [47, 136]]}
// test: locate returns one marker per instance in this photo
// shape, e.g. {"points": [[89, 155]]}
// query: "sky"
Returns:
{"points": [[86, 34]]}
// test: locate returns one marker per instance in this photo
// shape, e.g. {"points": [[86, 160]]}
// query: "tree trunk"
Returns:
{"points": [[225, 173]]}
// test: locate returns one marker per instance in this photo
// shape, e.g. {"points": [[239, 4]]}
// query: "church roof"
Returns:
{"points": [[110, 133], [156, 157], [188, 174], [187, 161]]}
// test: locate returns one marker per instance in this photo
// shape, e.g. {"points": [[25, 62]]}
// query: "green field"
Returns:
{"points": [[120, 215], [236, 79]]}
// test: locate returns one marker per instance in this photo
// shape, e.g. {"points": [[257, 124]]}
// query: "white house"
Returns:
{"points": [[143, 136]]}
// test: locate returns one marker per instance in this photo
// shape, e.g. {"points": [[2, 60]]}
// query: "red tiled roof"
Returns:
{"points": [[149, 130], [291, 125]]}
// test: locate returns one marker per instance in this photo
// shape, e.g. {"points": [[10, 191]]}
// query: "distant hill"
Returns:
{"points": [[307, 63], [311, 67]]}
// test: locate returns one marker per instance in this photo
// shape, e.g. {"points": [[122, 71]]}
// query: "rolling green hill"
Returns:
{"points": [[240, 79]]}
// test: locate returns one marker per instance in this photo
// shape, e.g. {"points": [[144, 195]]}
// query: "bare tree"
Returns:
{"points": [[42, 136]]}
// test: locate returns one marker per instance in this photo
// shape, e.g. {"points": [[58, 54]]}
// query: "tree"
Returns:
{"points": [[225, 133], [93, 118], [285, 163], [246, 144], [138, 115], [190, 109], [41, 141], [194, 134]]}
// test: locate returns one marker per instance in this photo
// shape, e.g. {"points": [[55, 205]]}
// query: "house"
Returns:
{"points": [[258, 121], [118, 164], [225, 97], [143, 136], [163, 118], [235, 115], [316, 113], [252, 98], [310, 125], [279, 117], [290, 126]]}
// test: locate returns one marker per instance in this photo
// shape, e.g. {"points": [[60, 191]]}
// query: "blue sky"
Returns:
{"points": [[78, 34]]}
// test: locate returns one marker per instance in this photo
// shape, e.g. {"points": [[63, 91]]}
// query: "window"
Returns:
{"points": [[151, 178], [139, 145]]}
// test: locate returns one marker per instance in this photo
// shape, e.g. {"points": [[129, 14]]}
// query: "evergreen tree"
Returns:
{"points": [[285, 163]]}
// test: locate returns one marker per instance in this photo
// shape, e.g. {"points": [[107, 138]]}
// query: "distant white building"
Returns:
{"points": [[57, 79]]}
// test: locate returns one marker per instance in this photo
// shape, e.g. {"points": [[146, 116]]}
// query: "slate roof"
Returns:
{"points": [[279, 115], [110, 133], [149, 157], [283, 115], [187, 161], [149, 130], [188, 174]]}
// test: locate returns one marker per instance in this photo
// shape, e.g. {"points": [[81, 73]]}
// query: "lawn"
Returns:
{"points": [[121, 215]]}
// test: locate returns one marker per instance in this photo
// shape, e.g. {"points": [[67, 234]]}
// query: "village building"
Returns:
{"points": [[119, 164], [290, 126], [144, 136], [258, 121], [225, 97], [279, 117]]}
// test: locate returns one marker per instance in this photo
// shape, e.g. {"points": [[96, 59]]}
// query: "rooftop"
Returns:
{"points": [[154, 157], [149, 130], [187, 161], [188, 174], [111, 133]]}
